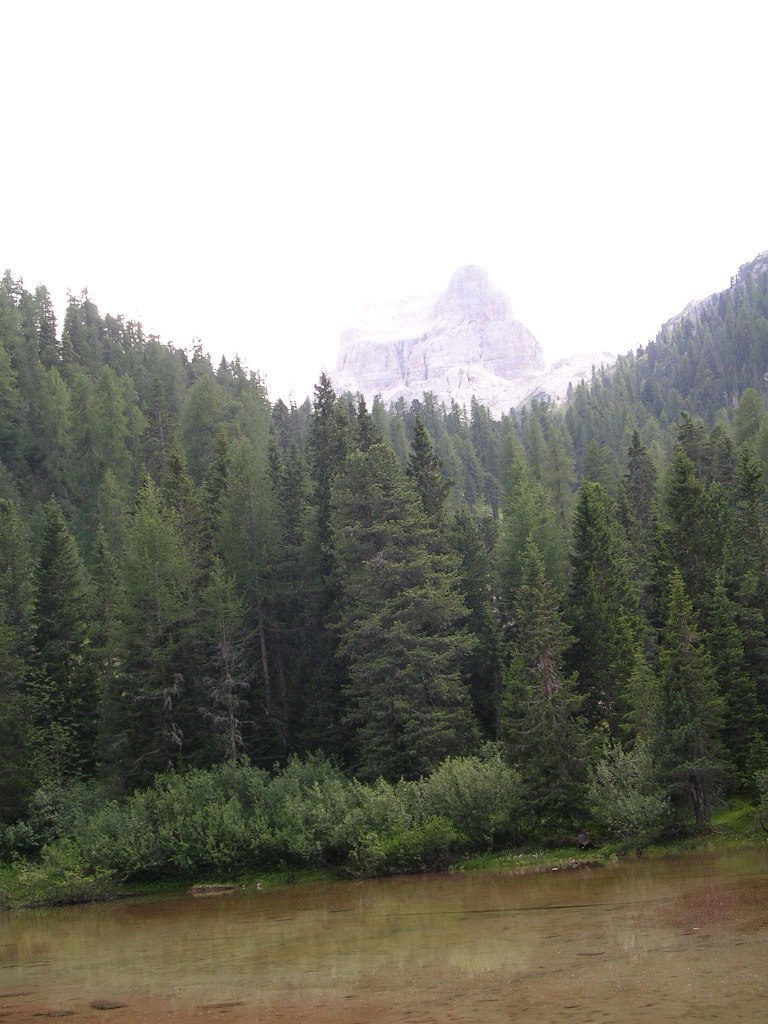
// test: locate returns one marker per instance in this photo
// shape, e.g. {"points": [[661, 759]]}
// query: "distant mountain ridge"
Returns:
{"points": [[461, 343]]}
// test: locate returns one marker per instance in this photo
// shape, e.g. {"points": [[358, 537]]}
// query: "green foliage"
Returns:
{"points": [[359, 607], [15, 635], [400, 623], [56, 810], [689, 712], [541, 711], [603, 611], [425, 846], [237, 817], [183, 824], [482, 797], [625, 796], [425, 471], [59, 877], [309, 804], [155, 643], [228, 679], [761, 785], [473, 539], [63, 690]]}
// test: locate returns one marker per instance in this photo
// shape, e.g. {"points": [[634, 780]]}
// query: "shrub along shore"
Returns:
{"points": [[238, 819], [239, 822]]}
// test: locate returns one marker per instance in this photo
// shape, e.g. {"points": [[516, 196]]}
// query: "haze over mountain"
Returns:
{"points": [[456, 344]]}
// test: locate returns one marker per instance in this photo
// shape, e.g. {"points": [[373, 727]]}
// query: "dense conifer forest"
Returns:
{"points": [[201, 588]]}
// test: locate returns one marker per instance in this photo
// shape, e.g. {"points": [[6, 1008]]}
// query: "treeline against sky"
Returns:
{"points": [[191, 575]]}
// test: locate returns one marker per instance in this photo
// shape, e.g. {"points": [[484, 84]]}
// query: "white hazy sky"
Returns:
{"points": [[252, 173]]}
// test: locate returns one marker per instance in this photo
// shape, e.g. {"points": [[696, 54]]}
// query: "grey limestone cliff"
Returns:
{"points": [[460, 343]]}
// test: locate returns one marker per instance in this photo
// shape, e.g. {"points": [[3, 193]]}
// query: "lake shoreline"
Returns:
{"points": [[733, 829]]}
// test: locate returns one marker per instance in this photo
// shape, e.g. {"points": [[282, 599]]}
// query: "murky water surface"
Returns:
{"points": [[680, 939]]}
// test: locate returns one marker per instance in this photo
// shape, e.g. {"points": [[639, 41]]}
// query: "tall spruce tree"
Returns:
{"points": [[689, 712], [400, 623], [639, 513], [741, 715], [689, 536], [528, 513], [250, 549], [541, 719], [472, 540], [16, 605], [328, 443], [64, 692], [603, 612], [425, 471], [157, 646], [227, 676]]}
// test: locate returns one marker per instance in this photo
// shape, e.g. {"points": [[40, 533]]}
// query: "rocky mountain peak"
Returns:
{"points": [[461, 342], [470, 296]]}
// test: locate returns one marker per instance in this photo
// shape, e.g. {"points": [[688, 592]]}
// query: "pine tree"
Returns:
{"points": [[212, 495], [366, 433], [14, 441], [751, 512], [603, 611], [48, 345], [16, 597], [598, 467], [425, 471], [726, 650], [640, 516], [53, 434], [64, 692], [291, 598], [201, 422], [687, 508], [328, 443], [541, 720], [227, 675], [557, 472], [400, 623], [108, 598], [157, 646], [695, 442], [528, 514], [158, 432], [748, 416], [112, 436], [472, 541], [689, 712], [181, 495], [250, 550]]}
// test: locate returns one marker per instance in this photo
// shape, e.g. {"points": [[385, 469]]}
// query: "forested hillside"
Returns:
{"points": [[191, 575]]}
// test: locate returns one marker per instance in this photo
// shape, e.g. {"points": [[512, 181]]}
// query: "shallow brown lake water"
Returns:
{"points": [[685, 938]]}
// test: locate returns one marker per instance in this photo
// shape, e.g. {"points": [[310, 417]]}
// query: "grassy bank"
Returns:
{"points": [[734, 825]]}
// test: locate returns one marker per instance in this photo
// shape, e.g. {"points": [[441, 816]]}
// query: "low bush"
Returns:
{"points": [[625, 796], [55, 810], [481, 796], [236, 818], [183, 824], [58, 877], [430, 845], [309, 807]]}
